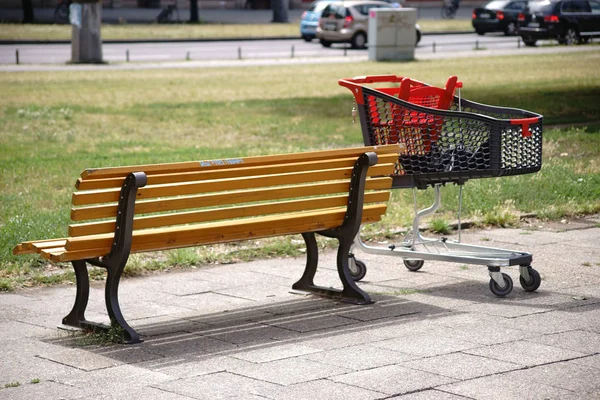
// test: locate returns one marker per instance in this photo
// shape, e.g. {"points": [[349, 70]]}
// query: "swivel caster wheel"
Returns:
{"points": [[358, 269], [533, 282], [414, 265], [502, 291]]}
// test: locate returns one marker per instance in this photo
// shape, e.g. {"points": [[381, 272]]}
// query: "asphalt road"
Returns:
{"points": [[440, 45]]}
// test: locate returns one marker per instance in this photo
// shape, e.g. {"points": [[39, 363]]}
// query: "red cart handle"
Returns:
{"points": [[355, 84], [525, 122]]}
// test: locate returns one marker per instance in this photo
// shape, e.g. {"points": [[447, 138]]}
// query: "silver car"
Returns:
{"points": [[347, 22]]}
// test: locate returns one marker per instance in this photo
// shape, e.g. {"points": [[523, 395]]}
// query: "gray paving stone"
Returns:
{"points": [[429, 395], [590, 361], [42, 390], [485, 332], [427, 345], [527, 353], [323, 389], [19, 362], [393, 379], [178, 344], [578, 341], [461, 366], [112, 380], [194, 365], [507, 386], [502, 308], [549, 322], [360, 357], [289, 371], [313, 323], [250, 333], [276, 352], [566, 375], [221, 385]]}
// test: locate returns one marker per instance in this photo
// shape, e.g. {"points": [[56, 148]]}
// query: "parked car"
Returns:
{"points": [[347, 22], [310, 19], [498, 16], [568, 21]]}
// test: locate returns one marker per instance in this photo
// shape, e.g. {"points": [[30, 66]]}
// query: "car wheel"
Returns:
{"points": [[480, 32], [570, 37], [418, 37], [359, 40], [529, 42], [510, 29], [307, 38], [325, 43]]}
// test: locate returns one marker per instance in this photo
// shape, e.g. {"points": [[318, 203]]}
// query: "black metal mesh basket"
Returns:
{"points": [[464, 140]]}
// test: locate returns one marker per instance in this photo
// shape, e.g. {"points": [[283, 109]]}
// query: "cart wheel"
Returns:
{"points": [[414, 265], [501, 292], [358, 269], [534, 280]]}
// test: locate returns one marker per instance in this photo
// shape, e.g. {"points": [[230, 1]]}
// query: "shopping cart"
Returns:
{"points": [[447, 140]]}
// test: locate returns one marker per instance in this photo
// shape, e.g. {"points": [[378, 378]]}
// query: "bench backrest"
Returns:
{"points": [[214, 201]]}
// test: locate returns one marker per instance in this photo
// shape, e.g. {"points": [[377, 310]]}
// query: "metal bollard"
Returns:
{"points": [[187, 56], [433, 46], [477, 45], [345, 51], [17, 55], [518, 43], [292, 51], [127, 55], [239, 53]]}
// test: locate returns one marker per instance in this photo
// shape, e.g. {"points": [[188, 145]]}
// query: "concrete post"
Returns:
{"points": [[86, 19], [392, 34]]}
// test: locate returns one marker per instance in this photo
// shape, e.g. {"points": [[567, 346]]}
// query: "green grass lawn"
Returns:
{"points": [[190, 31], [54, 124]]}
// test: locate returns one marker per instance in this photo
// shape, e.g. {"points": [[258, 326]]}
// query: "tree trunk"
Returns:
{"points": [[194, 11], [27, 11], [280, 10]]}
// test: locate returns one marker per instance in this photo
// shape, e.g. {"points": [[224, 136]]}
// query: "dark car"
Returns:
{"points": [[568, 21], [498, 16]]}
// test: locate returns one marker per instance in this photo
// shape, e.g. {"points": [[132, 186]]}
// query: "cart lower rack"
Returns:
{"points": [[447, 140]]}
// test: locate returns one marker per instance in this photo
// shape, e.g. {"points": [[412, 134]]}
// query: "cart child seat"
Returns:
{"points": [[419, 130]]}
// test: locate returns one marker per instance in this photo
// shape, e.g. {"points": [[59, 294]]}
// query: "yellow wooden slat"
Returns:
{"points": [[33, 246], [157, 179], [62, 255], [189, 217], [192, 233], [220, 199], [218, 185], [248, 161]]}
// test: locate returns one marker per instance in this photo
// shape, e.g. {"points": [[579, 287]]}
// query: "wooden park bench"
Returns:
{"points": [[122, 210]]}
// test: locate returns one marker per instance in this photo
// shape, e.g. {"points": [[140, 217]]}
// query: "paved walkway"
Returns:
{"points": [[236, 332]]}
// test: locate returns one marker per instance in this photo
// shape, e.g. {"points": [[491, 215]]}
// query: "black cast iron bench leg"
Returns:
{"points": [[345, 235]]}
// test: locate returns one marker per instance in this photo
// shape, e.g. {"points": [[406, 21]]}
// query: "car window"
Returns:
{"points": [[334, 10], [364, 8], [576, 6], [595, 6], [496, 4], [545, 7], [516, 6], [317, 6]]}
